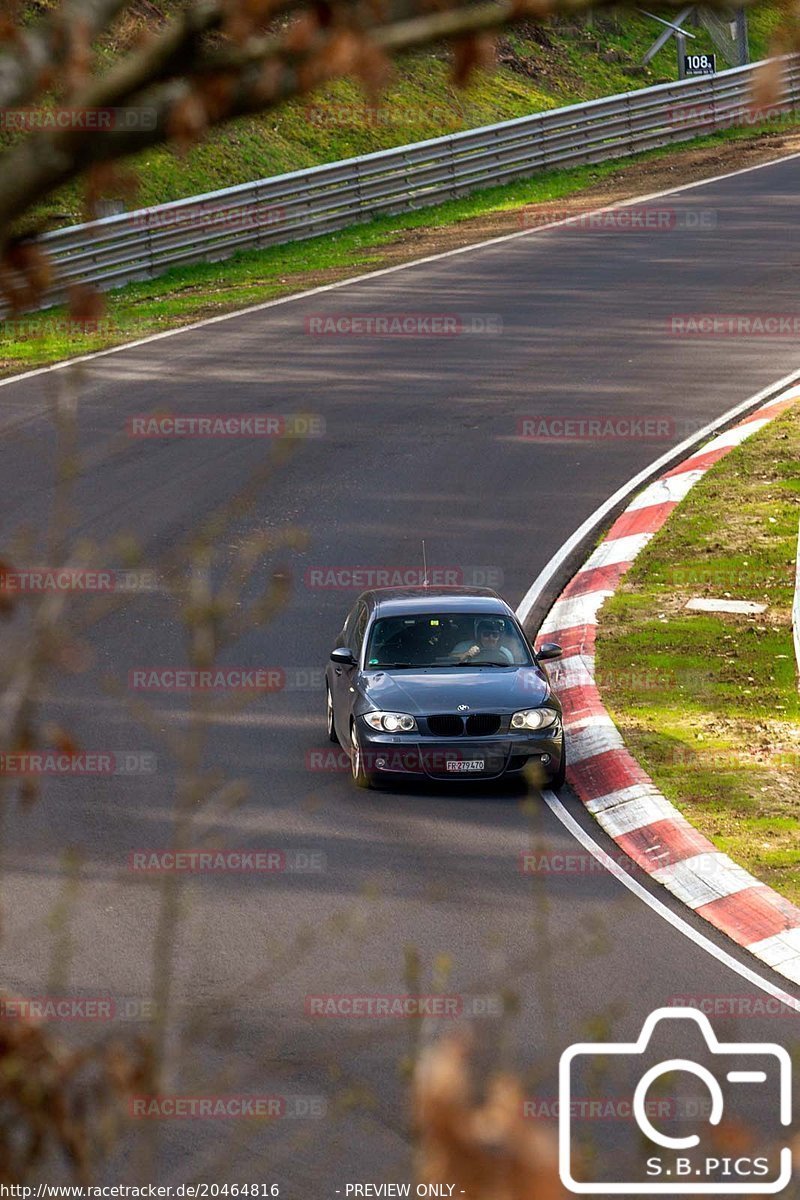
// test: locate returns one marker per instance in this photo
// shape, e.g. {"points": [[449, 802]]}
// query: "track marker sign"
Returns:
{"points": [[699, 64]]}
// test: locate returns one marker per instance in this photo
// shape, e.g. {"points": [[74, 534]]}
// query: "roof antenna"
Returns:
{"points": [[424, 566]]}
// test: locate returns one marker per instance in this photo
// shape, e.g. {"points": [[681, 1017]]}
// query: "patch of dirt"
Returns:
{"points": [[632, 179], [547, 66], [548, 61]]}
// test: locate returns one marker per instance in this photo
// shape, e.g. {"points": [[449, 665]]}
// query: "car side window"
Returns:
{"points": [[344, 638], [359, 630]]}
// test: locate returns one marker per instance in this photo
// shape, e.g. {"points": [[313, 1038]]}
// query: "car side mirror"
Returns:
{"points": [[343, 656], [548, 650]]}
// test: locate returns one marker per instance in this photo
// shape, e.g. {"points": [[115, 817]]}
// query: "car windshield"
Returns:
{"points": [[445, 640]]}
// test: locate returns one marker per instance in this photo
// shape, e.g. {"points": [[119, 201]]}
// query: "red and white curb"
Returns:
{"points": [[606, 776]]}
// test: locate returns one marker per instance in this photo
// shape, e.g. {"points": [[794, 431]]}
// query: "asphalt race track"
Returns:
{"points": [[421, 441]]}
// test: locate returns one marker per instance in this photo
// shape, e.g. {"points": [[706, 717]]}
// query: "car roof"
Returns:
{"points": [[388, 601]]}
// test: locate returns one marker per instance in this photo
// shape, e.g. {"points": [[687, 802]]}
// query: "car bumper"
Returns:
{"points": [[437, 758]]}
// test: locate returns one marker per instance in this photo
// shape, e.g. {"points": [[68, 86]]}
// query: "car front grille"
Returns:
{"points": [[446, 725], [483, 724], [451, 725]]}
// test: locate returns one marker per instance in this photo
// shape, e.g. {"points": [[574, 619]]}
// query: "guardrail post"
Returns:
{"points": [[712, 95], [257, 215], [150, 254], [629, 115], [407, 183], [359, 200]]}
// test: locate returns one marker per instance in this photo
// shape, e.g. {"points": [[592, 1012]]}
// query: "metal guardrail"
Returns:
{"points": [[302, 204]]}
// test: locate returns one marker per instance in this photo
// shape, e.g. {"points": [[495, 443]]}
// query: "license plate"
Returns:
{"points": [[469, 764]]}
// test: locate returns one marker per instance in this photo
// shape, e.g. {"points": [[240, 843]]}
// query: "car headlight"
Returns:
{"points": [[534, 718], [391, 722]]}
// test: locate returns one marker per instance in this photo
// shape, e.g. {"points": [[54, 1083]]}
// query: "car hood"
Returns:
{"points": [[493, 689]]}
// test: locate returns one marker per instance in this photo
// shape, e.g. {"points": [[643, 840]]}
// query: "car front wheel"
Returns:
{"points": [[361, 777]]}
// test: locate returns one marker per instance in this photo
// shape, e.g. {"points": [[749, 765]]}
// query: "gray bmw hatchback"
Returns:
{"points": [[441, 683]]}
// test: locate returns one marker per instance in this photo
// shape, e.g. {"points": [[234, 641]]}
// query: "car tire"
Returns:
{"points": [[560, 777], [361, 777], [329, 715]]}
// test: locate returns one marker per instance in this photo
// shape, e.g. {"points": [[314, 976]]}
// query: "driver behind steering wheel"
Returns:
{"points": [[487, 647]]}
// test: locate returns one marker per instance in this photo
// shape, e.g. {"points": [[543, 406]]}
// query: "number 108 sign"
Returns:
{"points": [[699, 64]]}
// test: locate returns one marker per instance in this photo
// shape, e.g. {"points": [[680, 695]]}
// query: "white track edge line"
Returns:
{"points": [[572, 826], [594, 521], [417, 262]]}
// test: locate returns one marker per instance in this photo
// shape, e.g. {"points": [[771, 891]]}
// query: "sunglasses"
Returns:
{"points": [[492, 633]]}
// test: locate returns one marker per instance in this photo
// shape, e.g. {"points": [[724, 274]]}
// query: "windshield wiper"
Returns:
{"points": [[471, 662], [494, 664], [389, 666]]}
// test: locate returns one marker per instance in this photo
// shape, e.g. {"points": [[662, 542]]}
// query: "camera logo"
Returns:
{"points": [[680, 1165]]}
